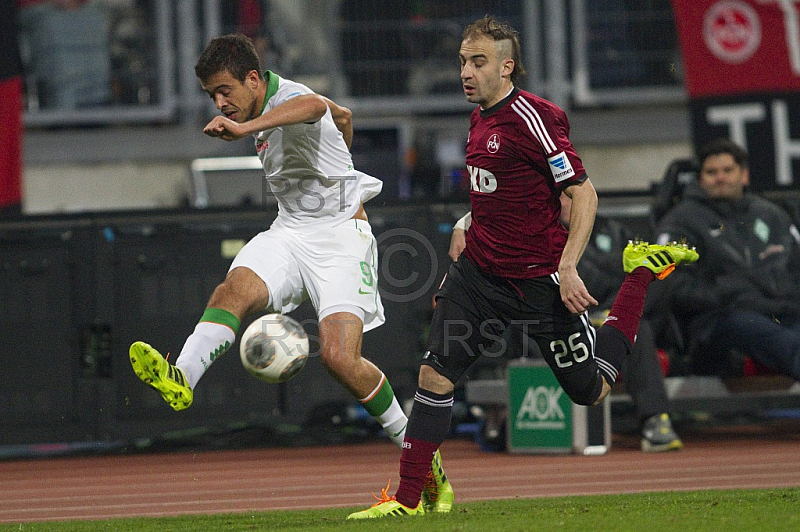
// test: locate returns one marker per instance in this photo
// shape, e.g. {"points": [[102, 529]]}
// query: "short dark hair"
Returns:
{"points": [[721, 146], [235, 54], [499, 31]]}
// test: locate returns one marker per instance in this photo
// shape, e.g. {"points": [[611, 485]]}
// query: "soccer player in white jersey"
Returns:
{"points": [[320, 247]]}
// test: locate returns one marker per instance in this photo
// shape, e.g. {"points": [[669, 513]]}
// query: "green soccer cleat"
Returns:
{"points": [[387, 506], [661, 260], [154, 370], [437, 496]]}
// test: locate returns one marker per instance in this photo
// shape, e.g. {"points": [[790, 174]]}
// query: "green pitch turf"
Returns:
{"points": [[700, 511]]}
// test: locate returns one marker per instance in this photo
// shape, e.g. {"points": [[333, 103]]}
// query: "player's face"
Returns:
{"points": [[236, 100], [722, 177], [483, 68]]}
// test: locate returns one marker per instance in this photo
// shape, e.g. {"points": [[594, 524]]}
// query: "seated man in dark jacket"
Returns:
{"points": [[742, 294]]}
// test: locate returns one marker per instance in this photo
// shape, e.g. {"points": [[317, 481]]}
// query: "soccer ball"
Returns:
{"points": [[274, 348]]}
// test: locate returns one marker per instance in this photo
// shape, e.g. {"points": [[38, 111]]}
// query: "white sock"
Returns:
{"points": [[207, 342], [394, 422]]}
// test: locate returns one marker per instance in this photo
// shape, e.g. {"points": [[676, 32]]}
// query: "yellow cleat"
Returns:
{"points": [[154, 370], [661, 260], [387, 506], [437, 496]]}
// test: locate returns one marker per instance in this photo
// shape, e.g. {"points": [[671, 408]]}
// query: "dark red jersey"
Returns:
{"points": [[519, 159]]}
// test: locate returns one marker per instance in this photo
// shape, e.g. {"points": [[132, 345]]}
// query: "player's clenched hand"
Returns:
{"points": [[224, 128], [574, 293]]}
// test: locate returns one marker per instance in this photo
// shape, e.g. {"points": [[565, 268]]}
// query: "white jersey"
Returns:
{"points": [[308, 166]]}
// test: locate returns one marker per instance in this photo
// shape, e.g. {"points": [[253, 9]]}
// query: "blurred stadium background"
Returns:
{"points": [[130, 212]]}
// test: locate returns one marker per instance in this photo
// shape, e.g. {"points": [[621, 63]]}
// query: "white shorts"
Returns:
{"points": [[332, 266]]}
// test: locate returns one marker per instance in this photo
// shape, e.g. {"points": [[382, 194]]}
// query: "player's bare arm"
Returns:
{"points": [[343, 118], [584, 208], [304, 108], [458, 242]]}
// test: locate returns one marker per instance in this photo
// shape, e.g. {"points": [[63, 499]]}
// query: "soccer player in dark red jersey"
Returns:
{"points": [[520, 263]]}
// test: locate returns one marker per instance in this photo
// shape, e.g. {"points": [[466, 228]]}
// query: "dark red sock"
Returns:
{"points": [[627, 309], [415, 463]]}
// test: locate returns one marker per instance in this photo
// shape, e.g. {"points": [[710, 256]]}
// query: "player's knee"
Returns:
{"points": [[242, 293], [603, 392], [583, 387], [430, 379]]}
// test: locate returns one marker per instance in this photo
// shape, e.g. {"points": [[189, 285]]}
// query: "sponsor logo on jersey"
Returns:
{"points": [[493, 144], [560, 167]]}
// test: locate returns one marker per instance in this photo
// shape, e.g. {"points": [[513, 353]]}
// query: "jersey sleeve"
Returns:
{"points": [[288, 90], [548, 129]]}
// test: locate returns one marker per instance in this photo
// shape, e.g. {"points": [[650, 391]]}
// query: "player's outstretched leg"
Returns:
{"points": [[661, 260], [644, 263], [154, 370], [438, 495], [387, 506]]}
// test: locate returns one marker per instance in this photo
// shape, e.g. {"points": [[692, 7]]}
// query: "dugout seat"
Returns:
{"points": [[669, 191]]}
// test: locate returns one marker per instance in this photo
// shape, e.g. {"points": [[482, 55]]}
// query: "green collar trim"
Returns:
{"points": [[272, 87]]}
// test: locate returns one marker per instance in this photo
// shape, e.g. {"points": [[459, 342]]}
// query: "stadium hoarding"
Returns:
{"points": [[543, 420]]}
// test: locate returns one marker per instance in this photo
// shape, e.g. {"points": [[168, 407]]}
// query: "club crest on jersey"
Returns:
{"points": [[493, 144], [261, 146], [560, 167]]}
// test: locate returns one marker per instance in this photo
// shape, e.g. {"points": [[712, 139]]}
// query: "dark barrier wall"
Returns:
{"points": [[77, 291]]}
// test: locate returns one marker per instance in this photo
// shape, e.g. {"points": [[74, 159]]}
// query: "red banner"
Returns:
{"points": [[11, 141], [739, 46]]}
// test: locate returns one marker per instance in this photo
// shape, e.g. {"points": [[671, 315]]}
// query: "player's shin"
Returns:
{"points": [[626, 312], [384, 407], [428, 426], [212, 336]]}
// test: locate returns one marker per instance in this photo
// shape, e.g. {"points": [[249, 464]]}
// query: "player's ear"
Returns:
{"points": [[508, 67], [252, 79]]}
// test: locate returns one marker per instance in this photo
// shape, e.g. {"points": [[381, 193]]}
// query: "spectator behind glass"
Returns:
{"points": [[66, 52], [742, 295]]}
